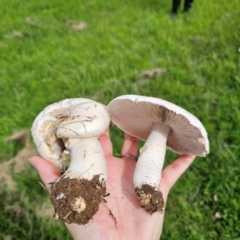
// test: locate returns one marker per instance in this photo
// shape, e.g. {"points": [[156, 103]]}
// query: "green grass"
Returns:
{"points": [[42, 60]]}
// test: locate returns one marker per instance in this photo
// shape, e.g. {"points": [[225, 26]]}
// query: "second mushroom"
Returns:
{"points": [[162, 125]]}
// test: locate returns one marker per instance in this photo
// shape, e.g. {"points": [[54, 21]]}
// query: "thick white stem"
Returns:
{"points": [[87, 159], [150, 162]]}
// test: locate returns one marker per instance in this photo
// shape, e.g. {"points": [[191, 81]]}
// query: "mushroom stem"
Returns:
{"points": [[87, 159], [76, 195], [147, 175], [151, 159]]}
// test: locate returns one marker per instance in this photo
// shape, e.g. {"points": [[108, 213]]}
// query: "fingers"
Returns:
{"points": [[130, 146], [106, 143], [174, 170], [47, 171]]}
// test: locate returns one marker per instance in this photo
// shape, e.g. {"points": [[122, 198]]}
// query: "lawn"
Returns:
{"points": [[52, 50]]}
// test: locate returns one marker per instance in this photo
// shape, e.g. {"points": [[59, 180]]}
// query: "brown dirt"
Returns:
{"points": [[64, 193], [16, 209], [18, 163], [7, 238], [149, 198], [35, 22], [77, 25], [151, 73], [113, 217], [45, 210]]}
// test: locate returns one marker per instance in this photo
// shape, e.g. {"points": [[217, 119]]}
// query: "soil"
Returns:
{"points": [[150, 198], [76, 25], [64, 193], [18, 163], [151, 73]]}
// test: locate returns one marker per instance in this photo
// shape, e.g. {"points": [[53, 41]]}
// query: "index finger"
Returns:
{"points": [[130, 145], [106, 143], [174, 170], [47, 171]]}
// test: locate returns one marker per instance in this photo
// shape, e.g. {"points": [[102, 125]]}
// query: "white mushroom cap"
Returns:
{"points": [[136, 116], [83, 117], [83, 120]]}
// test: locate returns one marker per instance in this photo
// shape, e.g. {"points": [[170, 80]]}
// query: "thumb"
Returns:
{"points": [[47, 171]]}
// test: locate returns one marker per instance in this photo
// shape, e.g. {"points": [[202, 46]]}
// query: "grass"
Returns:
{"points": [[43, 60]]}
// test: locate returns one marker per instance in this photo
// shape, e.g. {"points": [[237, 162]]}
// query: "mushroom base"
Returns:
{"points": [[77, 200], [150, 198]]}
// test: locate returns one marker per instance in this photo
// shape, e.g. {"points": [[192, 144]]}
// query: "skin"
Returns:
{"points": [[132, 221]]}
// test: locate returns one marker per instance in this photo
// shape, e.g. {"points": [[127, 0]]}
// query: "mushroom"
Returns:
{"points": [[162, 125], [69, 129]]}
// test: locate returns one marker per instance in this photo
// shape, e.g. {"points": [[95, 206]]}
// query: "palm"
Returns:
{"points": [[121, 217]]}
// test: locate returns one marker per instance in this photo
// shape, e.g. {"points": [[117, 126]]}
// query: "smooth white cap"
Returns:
{"points": [[136, 115]]}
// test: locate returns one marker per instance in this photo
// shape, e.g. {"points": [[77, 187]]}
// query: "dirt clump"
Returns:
{"points": [[77, 200], [150, 198]]}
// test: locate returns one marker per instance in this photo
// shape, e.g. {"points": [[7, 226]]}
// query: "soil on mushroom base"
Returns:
{"points": [[66, 190], [150, 199]]}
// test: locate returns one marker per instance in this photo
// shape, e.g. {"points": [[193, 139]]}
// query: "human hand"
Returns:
{"points": [[121, 217]]}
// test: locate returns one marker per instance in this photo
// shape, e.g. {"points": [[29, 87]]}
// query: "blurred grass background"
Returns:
{"points": [[45, 57]]}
